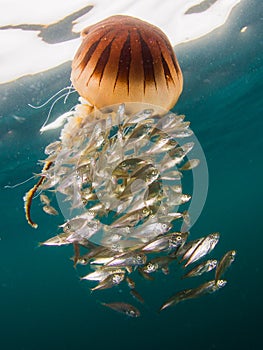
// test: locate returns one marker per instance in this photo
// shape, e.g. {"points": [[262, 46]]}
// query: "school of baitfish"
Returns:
{"points": [[120, 176]]}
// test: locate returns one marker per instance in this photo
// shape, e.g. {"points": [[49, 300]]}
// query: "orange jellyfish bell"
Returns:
{"points": [[124, 59]]}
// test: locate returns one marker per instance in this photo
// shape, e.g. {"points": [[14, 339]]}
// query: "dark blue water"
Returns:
{"points": [[44, 305]]}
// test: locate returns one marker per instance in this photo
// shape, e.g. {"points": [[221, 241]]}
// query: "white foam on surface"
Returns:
{"points": [[23, 52]]}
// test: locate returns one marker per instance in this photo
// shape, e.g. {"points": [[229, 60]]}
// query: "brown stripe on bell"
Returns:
{"points": [[124, 59]]}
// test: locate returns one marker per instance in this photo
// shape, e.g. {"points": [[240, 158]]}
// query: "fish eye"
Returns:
{"points": [[117, 279], [178, 238], [151, 267], [220, 283], [141, 258], [124, 164], [67, 227], [131, 312], [115, 247]]}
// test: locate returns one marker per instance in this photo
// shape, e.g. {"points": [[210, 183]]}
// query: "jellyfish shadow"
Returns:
{"points": [[55, 32]]}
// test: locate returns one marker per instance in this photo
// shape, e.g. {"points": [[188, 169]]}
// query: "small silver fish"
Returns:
{"points": [[139, 133], [50, 210], [101, 273], [132, 218], [96, 139], [96, 251], [141, 199], [130, 282], [159, 142], [136, 295], [108, 240], [208, 287], [139, 117], [174, 216], [204, 248], [175, 156], [151, 230], [178, 198], [190, 164], [129, 269], [182, 132], [87, 195], [224, 264], [110, 281], [124, 245], [85, 232], [127, 166], [145, 275], [124, 308], [57, 240], [177, 239], [157, 263], [172, 176], [169, 241], [170, 121], [65, 185], [188, 248], [198, 270], [44, 199], [101, 261], [73, 224], [147, 175], [143, 172], [128, 259], [181, 151], [166, 146], [186, 218], [53, 147]]}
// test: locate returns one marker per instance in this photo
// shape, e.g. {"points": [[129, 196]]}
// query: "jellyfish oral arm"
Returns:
{"points": [[57, 123]]}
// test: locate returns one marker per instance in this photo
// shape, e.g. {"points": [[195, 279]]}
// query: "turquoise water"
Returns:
{"points": [[43, 303]]}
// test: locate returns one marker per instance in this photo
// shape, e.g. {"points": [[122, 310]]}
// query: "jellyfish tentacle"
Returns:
{"points": [[30, 194], [50, 98]]}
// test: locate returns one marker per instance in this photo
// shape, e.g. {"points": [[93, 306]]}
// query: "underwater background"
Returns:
{"points": [[43, 303]]}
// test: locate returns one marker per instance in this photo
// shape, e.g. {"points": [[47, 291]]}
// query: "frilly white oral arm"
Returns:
{"points": [[57, 123]]}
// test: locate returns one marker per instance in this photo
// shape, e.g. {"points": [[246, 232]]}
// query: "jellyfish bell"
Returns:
{"points": [[124, 59]]}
